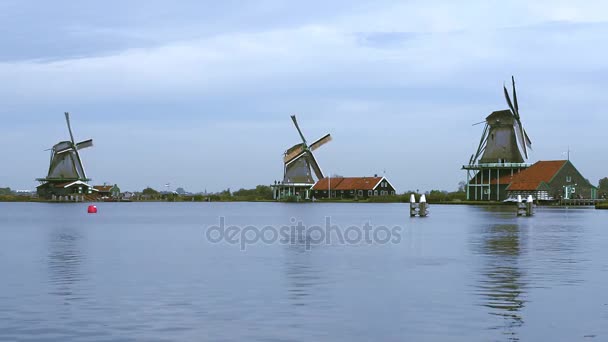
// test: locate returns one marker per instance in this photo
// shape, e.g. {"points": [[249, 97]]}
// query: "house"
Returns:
{"points": [[352, 187], [550, 180], [127, 195], [108, 191]]}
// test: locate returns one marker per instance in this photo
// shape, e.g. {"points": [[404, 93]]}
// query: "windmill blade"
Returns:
{"points": [[80, 166], [528, 141], [509, 101], [84, 144], [515, 98], [315, 166], [519, 132], [64, 150], [293, 157], [482, 142], [315, 145], [295, 122], [292, 153], [67, 119]]}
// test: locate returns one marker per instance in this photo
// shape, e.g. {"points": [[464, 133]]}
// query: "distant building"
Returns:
{"points": [[127, 195], [352, 187], [550, 180], [108, 191]]}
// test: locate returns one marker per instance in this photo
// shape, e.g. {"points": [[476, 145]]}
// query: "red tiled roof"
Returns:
{"points": [[347, 183], [532, 177]]}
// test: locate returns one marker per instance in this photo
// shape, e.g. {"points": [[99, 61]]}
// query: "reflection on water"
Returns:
{"points": [[558, 254], [65, 259], [502, 285], [302, 275]]}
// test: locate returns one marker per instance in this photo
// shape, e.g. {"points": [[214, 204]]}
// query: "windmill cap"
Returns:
{"points": [[504, 116]]}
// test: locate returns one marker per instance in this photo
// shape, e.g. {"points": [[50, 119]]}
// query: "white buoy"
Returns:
{"points": [[413, 205], [418, 209], [423, 210], [530, 206]]}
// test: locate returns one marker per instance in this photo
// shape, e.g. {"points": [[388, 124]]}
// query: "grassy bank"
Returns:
{"points": [[15, 198], [603, 205]]}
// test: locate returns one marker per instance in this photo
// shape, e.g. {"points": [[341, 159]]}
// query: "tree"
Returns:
{"points": [[261, 192], [604, 183], [180, 191], [149, 191], [5, 191], [462, 185]]}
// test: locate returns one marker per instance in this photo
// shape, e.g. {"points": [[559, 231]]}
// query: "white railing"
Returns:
{"points": [[497, 165]]}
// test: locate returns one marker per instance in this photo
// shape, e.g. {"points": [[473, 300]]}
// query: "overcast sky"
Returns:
{"points": [[199, 93]]}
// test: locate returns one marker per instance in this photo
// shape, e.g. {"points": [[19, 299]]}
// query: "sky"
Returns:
{"points": [[198, 94]]}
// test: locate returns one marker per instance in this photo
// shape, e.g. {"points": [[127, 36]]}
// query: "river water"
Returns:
{"points": [[156, 272]]}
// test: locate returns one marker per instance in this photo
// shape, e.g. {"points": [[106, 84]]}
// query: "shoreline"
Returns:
{"points": [[603, 206]]}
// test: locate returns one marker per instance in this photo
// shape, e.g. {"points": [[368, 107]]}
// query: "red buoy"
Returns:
{"points": [[92, 209]]}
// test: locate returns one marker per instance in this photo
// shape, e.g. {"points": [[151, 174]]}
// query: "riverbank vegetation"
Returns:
{"points": [[8, 195], [260, 193], [601, 205]]}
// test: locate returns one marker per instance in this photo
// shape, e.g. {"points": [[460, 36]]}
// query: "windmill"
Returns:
{"points": [[299, 159], [504, 139], [66, 163], [65, 167], [501, 153]]}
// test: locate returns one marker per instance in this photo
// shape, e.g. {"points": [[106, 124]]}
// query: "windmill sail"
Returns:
{"points": [[520, 137], [320, 142], [315, 166], [84, 144]]}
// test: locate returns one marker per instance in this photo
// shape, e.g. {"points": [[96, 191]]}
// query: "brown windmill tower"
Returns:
{"points": [[502, 152]]}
